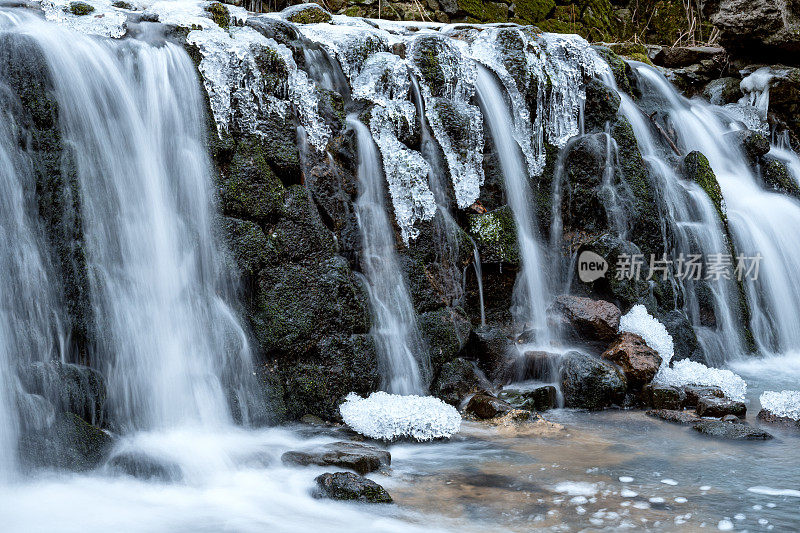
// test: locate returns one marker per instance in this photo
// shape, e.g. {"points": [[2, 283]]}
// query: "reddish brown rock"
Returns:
{"points": [[591, 319], [485, 406], [638, 361]]}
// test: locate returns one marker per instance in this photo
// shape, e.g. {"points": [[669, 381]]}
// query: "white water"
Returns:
{"points": [[761, 222], [696, 229], [400, 347], [531, 292]]}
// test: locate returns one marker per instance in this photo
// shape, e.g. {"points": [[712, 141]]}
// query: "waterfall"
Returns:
{"points": [[133, 116], [394, 327], [531, 292], [761, 222], [696, 229]]}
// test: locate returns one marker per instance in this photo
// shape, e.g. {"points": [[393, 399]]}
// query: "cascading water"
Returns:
{"points": [[395, 327], [696, 230], [133, 117], [761, 222], [531, 293]]}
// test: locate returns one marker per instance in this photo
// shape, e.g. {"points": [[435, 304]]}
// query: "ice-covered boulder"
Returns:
{"points": [[688, 372], [391, 416], [780, 407], [654, 333]]}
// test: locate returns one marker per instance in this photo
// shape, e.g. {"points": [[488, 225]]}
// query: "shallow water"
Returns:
{"points": [[484, 477]]}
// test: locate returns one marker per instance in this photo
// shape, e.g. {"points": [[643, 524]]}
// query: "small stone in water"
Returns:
{"points": [[705, 487], [680, 499], [725, 525], [656, 500], [625, 493], [625, 479], [739, 517], [669, 482]]}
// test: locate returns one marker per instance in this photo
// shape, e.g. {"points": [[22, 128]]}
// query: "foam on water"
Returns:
{"points": [[391, 416]]}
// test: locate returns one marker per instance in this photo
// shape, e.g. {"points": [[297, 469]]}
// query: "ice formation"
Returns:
{"points": [[755, 88], [687, 372], [784, 404], [242, 73], [456, 124], [105, 20], [640, 322], [391, 416]]}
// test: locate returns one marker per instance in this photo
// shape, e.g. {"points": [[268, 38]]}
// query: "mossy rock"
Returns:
{"points": [[248, 245], [496, 235], [299, 233], [298, 305], [445, 332], [778, 178], [602, 104], [307, 14], [250, 190], [219, 14], [623, 74], [80, 8], [123, 5], [338, 365], [697, 169], [623, 292], [427, 53], [273, 69], [532, 11]]}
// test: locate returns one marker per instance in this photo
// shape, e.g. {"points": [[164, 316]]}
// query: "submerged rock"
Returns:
{"points": [[68, 442], [675, 416], [719, 407], [725, 430], [591, 383], [349, 486], [142, 466], [361, 458], [638, 361], [592, 319], [538, 399], [486, 407]]}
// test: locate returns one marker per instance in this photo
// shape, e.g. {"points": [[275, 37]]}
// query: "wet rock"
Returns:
{"points": [[733, 419], [592, 319], [142, 466], [684, 337], [777, 177], [68, 442], [602, 104], [457, 379], [349, 486], [697, 168], [361, 458], [675, 416], [486, 407], [623, 73], [694, 393], [591, 383], [496, 235], [533, 364], [638, 361], [724, 430], [664, 396], [771, 418], [445, 331], [753, 144], [537, 399], [490, 348], [623, 292], [711, 407], [723, 91]]}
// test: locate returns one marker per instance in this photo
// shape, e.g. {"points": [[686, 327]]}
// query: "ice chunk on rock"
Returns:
{"points": [[654, 333], [785, 404], [688, 372], [392, 416]]}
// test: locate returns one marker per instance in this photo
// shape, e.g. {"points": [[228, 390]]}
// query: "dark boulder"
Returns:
{"points": [[591, 383], [660, 396], [361, 458], [777, 176], [638, 361], [684, 56], [624, 292], [723, 91], [445, 331], [694, 393], [771, 418], [457, 379], [533, 364], [725, 430], [69, 387], [602, 104], [68, 442], [537, 399], [711, 407], [591, 319], [753, 144], [349, 486], [486, 407]]}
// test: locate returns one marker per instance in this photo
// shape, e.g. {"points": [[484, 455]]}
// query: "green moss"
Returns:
{"points": [[250, 189], [219, 14], [484, 11], [532, 11], [496, 234], [697, 168], [123, 5], [310, 14], [80, 8], [623, 74], [777, 176]]}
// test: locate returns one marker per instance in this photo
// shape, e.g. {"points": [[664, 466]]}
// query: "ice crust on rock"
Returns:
{"points": [[239, 91], [105, 20], [654, 333], [688, 372], [784, 404], [392, 416]]}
